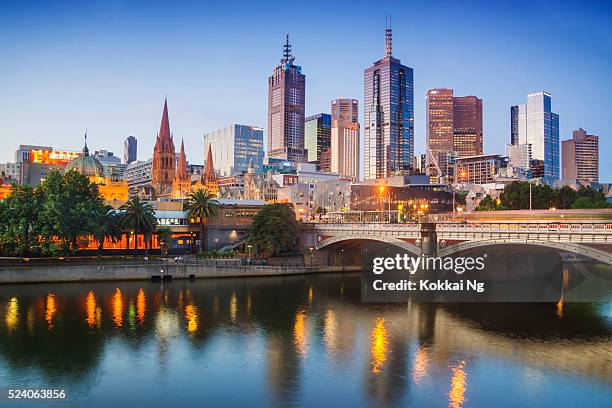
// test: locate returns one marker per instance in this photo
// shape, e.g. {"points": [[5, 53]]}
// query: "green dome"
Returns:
{"points": [[86, 165]]}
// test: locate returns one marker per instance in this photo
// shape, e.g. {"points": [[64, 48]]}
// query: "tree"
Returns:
{"points": [[202, 205], [274, 230], [107, 226], [565, 197], [164, 237], [19, 217], [487, 204], [138, 216]]}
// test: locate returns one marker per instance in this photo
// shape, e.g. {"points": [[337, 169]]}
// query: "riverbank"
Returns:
{"points": [[101, 272]]}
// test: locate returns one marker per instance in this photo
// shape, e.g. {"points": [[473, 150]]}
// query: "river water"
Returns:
{"points": [[295, 341]]}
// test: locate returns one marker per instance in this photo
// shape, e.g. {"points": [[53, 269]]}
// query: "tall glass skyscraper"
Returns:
{"points": [[534, 123], [389, 116], [234, 146], [129, 149], [317, 138], [286, 106]]}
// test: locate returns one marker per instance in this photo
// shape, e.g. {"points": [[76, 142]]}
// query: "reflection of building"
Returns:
{"points": [[317, 139], [345, 138], [234, 147], [534, 123], [286, 105], [389, 116], [130, 147], [581, 157], [164, 157]]}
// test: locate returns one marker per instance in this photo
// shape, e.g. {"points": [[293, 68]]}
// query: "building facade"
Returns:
{"points": [[286, 107], [581, 157], [234, 147], [317, 139], [534, 123], [138, 175], [389, 116], [130, 149], [345, 138], [467, 126], [481, 169]]}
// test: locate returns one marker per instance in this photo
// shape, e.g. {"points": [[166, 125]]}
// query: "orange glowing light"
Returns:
{"points": [[233, 307], [456, 395], [141, 306], [379, 346], [419, 369], [117, 308], [330, 333], [12, 313], [90, 308], [50, 309], [191, 315], [310, 295], [53, 156], [300, 338]]}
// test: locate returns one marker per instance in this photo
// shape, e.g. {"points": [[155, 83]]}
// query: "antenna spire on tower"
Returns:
{"points": [[388, 35], [287, 57]]}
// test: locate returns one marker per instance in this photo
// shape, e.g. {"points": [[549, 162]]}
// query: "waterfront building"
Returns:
{"points": [[286, 107], [534, 123], [481, 169], [467, 126], [36, 163], [345, 138], [389, 115], [130, 150], [317, 139], [164, 158], [234, 147], [260, 186], [581, 157]]}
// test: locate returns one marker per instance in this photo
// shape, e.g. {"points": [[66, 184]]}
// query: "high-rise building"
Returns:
{"points": [[345, 138], [234, 146], [130, 147], [389, 115], [286, 107], [317, 138], [519, 160], [454, 128], [467, 126], [480, 169], [164, 157], [534, 123], [581, 157]]}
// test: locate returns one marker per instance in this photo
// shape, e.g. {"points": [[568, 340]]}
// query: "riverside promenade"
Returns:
{"points": [[144, 271]]}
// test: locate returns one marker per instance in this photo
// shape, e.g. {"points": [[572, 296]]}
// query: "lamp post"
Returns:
{"points": [[249, 254], [311, 249]]}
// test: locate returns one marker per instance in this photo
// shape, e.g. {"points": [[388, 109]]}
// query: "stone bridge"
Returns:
{"points": [[591, 238]]}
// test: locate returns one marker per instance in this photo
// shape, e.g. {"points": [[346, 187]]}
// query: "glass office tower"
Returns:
{"points": [[534, 123], [234, 146], [389, 116], [317, 138]]}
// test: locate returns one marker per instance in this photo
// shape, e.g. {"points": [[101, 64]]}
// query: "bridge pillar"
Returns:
{"points": [[429, 239]]}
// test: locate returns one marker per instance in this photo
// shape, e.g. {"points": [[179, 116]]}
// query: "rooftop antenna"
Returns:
{"points": [[287, 57], [388, 35]]}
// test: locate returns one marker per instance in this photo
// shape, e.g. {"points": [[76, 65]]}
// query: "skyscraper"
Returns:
{"points": [[164, 157], [286, 106], [389, 115], [581, 157], [467, 126], [234, 146], [534, 123], [317, 138], [345, 138], [130, 149]]}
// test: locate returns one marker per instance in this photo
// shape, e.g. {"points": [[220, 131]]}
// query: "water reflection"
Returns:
{"points": [[456, 395], [379, 345], [299, 347]]}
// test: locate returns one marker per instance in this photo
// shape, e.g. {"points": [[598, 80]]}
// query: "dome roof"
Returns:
{"points": [[86, 165]]}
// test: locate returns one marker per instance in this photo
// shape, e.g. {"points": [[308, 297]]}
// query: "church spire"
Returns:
{"points": [[164, 129], [209, 171], [181, 169]]}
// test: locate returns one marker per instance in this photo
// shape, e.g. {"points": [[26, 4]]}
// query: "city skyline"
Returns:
{"points": [[53, 104]]}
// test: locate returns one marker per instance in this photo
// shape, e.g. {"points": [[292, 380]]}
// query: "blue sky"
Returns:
{"points": [[105, 66]]}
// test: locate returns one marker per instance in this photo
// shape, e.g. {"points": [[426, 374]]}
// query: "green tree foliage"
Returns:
{"points": [[138, 216], [202, 205], [274, 230], [107, 225], [19, 220]]}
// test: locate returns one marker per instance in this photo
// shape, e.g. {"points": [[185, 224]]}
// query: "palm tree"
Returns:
{"points": [[201, 205], [138, 216], [107, 226]]}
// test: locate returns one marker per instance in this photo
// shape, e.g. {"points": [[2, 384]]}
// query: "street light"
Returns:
{"points": [[311, 249], [249, 254]]}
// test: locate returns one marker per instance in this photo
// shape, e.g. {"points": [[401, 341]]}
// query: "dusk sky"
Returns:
{"points": [[105, 66]]}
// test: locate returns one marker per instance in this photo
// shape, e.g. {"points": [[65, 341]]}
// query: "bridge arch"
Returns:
{"points": [[413, 249], [594, 253]]}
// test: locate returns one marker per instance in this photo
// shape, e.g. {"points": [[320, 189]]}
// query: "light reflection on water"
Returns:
{"points": [[296, 341]]}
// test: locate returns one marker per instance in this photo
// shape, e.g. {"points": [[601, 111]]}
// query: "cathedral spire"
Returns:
{"points": [[164, 129], [209, 171]]}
